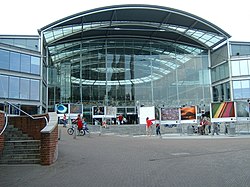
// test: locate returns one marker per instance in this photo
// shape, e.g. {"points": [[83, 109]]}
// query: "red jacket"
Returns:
{"points": [[149, 122]]}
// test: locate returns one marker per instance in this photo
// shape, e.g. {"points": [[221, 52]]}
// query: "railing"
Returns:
{"points": [[6, 123], [6, 117]]}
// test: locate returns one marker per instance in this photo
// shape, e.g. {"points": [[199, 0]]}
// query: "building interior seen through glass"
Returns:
{"points": [[125, 72]]}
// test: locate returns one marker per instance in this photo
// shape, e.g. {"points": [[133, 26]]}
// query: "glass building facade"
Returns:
{"points": [[124, 56], [231, 72], [20, 72]]}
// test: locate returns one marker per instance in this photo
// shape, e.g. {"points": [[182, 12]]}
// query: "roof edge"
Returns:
{"points": [[184, 13]]}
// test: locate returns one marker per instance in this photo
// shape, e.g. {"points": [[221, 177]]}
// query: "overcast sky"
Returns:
{"points": [[25, 17]]}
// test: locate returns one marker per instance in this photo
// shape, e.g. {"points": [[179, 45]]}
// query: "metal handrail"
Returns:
{"points": [[6, 122]]}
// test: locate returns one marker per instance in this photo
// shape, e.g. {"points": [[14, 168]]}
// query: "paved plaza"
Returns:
{"points": [[117, 161]]}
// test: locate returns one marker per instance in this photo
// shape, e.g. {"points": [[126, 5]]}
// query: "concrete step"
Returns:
{"points": [[22, 151], [14, 138], [21, 156], [20, 161]]}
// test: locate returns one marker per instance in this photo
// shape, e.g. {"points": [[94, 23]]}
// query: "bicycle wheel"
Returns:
{"points": [[70, 131]]}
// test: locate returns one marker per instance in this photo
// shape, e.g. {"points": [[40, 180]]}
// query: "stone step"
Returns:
{"points": [[21, 156], [17, 133], [22, 142], [16, 138], [20, 161], [22, 151]]}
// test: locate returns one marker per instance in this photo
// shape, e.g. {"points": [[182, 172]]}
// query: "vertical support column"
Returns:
{"points": [[176, 80], [106, 81], [80, 82], [230, 70]]}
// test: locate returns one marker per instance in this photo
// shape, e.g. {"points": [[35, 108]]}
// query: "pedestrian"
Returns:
{"points": [[149, 124], [158, 129], [64, 120], [120, 119], [215, 128]]}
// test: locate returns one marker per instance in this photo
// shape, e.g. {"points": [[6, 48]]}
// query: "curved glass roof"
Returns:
{"points": [[144, 21]]}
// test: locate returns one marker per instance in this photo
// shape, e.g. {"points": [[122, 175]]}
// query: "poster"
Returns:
{"points": [[189, 114], [110, 112], [146, 112], [170, 115], [242, 111], [223, 112], [76, 108], [98, 111]]}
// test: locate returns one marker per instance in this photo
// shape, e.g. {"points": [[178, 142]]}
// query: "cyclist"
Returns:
{"points": [[79, 122]]}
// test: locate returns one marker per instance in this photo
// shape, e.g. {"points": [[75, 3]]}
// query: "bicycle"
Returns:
{"points": [[82, 132]]}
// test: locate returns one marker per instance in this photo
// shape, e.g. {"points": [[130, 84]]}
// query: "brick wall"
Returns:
{"points": [[49, 147], [30, 126], [2, 121]]}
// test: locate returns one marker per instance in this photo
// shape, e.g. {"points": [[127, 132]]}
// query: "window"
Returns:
{"points": [[241, 89], [235, 68], [220, 72], [35, 65], [240, 67], [244, 67], [4, 59], [25, 63], [15, 61], [221, 92], [4, 86], [24, 88], [14, 88], [34, 90], [240, 49]]}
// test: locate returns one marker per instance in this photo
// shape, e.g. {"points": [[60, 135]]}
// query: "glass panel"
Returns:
{"points": [[235, 68], [14, 87], [240, 49], [4, 86], [244, 67], [35, 65], [20, 43], [25, 63], [24, 88], [245, 89], [15, 59], [4, 59], [34, 90], [241, 89]]}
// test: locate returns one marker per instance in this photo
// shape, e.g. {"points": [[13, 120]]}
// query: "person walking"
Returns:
{"points": [[64, 120], [158, 129], [215, 128], [149, 124]]}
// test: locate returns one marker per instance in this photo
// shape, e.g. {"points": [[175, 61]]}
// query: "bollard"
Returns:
{"points": [[60, 132], [100, 130], [74, 132]]}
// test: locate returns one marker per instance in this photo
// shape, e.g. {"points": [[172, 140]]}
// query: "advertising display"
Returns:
{"points": [[188, 114], [146, 112], [170, 115], [223, 112], [75, 108], [98, 111], [62, 108], [110, 112], [242, 111]]}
